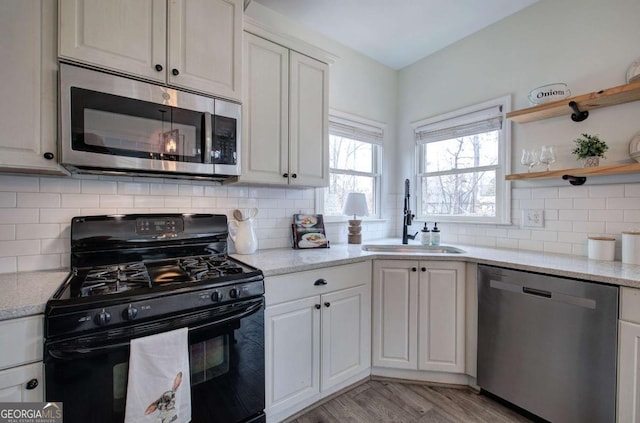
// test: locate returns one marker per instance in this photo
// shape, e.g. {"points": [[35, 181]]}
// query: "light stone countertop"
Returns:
{"points": [[24, 294]]}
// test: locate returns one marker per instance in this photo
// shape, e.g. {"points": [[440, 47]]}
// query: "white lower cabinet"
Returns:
{"points": [[419, 315], [629, 356], [21, 371], [317, 335]]}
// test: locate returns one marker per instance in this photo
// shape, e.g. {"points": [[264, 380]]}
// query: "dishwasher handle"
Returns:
{"points": [[536, 292]]}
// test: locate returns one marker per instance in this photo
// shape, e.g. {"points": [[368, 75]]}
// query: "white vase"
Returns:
{"points": [[592, 161], [243, 236]]}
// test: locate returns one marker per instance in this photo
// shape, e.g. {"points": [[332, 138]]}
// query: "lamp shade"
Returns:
{"points": [[355, 204]]}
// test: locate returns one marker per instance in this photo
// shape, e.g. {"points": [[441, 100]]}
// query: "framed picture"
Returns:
{"points": [[308, 231]]}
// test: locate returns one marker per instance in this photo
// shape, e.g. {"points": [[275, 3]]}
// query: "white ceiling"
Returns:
{"points": [[396, 33]]}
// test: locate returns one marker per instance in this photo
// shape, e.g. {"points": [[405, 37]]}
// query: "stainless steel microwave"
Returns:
{"points": [[114, 125]]}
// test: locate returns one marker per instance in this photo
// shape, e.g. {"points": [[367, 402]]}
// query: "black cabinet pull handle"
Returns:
{"points": [[175, 72], [48, 155], [327, 304], [318, 306], [414, 269], [294, 175], [32, 384], [320, 282], [285, 175], [424, 269], [159, 67]]}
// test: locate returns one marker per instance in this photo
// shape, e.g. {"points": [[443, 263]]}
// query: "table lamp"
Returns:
{"points": [[356, 205]]}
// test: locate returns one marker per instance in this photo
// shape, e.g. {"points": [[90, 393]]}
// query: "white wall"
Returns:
{"points": [[588, 44]]}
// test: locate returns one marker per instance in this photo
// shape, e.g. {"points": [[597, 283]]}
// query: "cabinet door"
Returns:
{"points": [[346, 334], [441, 324], [22, 384], [120, 35], [308, 121], [205, 42], [292, 340], [628, 372], [265, 143], [28, 89], [395, 314]]}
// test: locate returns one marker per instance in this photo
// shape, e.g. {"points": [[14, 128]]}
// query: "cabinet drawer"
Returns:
{"points": [[25, 338], [292, 286], [630, 304]]}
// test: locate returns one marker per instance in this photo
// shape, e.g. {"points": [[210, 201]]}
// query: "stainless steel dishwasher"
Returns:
{"points": [[548, 344]]}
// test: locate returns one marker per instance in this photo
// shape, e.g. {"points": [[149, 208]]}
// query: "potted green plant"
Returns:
{"points": [[589, 148]]}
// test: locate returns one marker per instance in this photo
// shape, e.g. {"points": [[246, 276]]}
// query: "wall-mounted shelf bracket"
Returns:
{"points": [[575, 180], [577, 115]]}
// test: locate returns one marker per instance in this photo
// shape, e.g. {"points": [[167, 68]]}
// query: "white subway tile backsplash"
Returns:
{"points": [[60, 185], [16, 215], [99, 187], [7, 232], [37, 231], [39, 262], [8, 199], [35, 200], [12, 183], [80, 200], [35, 214], [19, 247]]}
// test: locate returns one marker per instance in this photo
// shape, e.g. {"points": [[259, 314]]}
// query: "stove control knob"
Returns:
{"points": [[103, 318], [129, 313], [233, 293], [216, 297]]}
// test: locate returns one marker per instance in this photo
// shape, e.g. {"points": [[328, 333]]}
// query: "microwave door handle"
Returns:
{"points": [[208, 137]]}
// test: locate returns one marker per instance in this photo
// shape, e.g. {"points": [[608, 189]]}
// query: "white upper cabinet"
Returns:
{"points": [[28, 89], [286, 106], [193, 44]]}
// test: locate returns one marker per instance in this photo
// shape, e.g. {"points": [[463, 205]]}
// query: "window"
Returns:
{"points": [[354, 162], [462, 161]]}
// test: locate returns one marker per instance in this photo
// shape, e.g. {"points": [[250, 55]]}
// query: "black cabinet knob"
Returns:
{"points": [[32, 384], [318, 306], [285, 175], [414, 269], [320, 282], [424, 269], [175, 72], [48, 155], [327, 304], [159, 68], [294, 175]]}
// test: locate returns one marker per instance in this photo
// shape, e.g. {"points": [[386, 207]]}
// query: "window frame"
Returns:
{"points": [[503, 187], [378, 150]]}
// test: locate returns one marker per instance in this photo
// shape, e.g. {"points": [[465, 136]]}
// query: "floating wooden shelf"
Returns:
{"points": [[609, 97], [580, 172]]}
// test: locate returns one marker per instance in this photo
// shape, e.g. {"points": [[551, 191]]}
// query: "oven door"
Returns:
{"points": [[89, 375]]}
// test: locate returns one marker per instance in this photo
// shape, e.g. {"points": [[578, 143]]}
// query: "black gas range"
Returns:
{"points": [[138, 275]]}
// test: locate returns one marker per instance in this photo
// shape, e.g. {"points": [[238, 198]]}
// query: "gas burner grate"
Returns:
{"points": [[115, 278]]}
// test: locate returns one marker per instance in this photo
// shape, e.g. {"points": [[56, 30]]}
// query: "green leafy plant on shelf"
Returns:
{"points": [[589, 146]]}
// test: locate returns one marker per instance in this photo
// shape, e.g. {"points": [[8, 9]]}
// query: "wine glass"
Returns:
{"points": [[547, 155], [529, 158]]}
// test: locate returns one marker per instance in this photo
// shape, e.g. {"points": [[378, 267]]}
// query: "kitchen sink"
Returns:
{"points": [[405, 248]]}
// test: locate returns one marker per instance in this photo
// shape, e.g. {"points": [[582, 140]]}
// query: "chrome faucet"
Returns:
{"points": [[408, 216]]}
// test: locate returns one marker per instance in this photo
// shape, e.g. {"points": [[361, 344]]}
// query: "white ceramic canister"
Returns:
{"points": [[631, 247], [601, 248], [243, 236]]}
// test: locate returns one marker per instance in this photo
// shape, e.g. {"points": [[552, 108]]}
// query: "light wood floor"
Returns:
{"points": [[385, 401]]}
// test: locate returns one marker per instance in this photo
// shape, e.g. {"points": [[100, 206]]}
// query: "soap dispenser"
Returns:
{"points": [[425, 237], [435, 234]]}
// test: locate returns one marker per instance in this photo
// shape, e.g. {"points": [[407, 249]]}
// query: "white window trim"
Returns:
{"points": [[319, 192], [503, 209]]}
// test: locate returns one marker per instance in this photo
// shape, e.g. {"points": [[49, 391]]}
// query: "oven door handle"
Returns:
{"points": [[71, 352]]}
